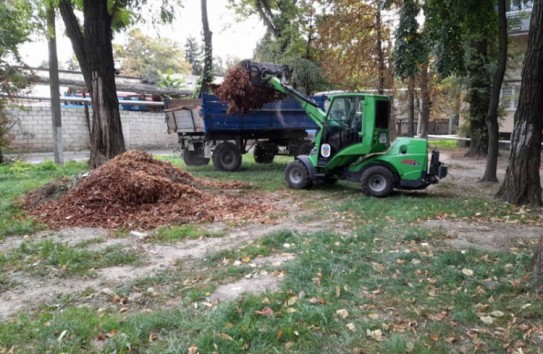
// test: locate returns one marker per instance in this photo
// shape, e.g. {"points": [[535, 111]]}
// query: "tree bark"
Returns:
{"points": [[411, 108], [522, 183], [479, 100], [208, 51], [107, 136], [74, 32], [54, 87], [492, 115], [425, 100]]}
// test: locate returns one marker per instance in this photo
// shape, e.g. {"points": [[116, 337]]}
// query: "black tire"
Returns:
{"points": [[261, 155], [226, 157], [305, 148], [377, 181], [297, 175], [196, 157]]}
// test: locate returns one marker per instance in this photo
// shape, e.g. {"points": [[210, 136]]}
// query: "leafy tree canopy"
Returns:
{"points": [[144, 56]]}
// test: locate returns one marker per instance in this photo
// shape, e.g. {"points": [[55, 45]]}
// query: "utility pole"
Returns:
{"points": [[54, 86]]}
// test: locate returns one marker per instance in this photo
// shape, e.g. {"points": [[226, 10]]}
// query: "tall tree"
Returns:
{"points": [[92, 46], [409, 53], [522, 184], [193, 55], [492, 115], [144, 56], [352, 45], [290, 38], [207, 74], [465, 44], [14, 30]]}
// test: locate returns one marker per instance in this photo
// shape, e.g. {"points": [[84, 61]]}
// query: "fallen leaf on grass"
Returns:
{"points": [[193, 350], [266, 311], [226, 337], [291, 301], [317, 301], [486, 319], [376, 335], [467, 272], [342, 313], [497, 313], [351, 327], [152, 337]]}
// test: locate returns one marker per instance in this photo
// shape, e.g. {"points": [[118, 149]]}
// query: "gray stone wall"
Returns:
{"points": [[33, 129]]}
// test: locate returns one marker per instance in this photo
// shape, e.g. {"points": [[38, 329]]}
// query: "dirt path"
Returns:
{"points": [[28, 291]]}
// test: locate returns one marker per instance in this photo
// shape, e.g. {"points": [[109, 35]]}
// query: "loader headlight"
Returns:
{"points": [[383, 139]]}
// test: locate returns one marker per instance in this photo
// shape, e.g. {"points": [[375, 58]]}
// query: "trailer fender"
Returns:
{"points": [[310, 168]]}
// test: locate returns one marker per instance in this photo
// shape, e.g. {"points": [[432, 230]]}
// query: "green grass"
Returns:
{"points": [[389, 273], [269, 177], [175, 233], [19, 178], [42, 257]]}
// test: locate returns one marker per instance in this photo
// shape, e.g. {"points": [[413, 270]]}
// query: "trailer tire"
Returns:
{"points": [[226, 157], [261, 155], [297, 175], [195, 158], [377, 181]]}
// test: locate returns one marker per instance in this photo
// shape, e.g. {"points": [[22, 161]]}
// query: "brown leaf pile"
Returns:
{"points": [[241, 95], [135, 190]]}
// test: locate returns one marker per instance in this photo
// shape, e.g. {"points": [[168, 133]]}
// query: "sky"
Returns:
{"points": [[230, 38]]}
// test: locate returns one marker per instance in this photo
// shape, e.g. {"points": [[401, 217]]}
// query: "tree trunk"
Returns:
{"points": [[208, 52], [425, 99], [54, 87], [411, 108], [522, 184], [73, 31], [379, 50], [479, 100], [492, 115], [536, 265], [107, 134]]}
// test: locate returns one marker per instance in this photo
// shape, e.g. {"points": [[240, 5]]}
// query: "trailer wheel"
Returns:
{"points": [[226, 157], [377, 181], [196, 157], [263, 155], [297, 175]]}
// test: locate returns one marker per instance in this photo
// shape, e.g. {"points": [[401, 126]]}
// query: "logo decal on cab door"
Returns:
{"points": [[326, 151]]}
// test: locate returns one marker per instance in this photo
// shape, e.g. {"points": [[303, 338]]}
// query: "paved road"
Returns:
{"points": [[38, 157]]}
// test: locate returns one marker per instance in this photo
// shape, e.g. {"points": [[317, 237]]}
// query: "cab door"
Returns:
{"points": [[342, 126]]}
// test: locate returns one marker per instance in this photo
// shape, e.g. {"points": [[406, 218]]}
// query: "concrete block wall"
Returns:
{"points": [[33, 129]]}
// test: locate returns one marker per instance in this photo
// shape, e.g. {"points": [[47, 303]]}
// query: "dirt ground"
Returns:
{"points": [[26, 291]]}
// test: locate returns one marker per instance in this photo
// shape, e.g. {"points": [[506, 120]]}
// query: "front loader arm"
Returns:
{"points": [[312, 109]]}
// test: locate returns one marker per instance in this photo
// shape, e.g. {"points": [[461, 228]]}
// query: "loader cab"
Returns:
{"points": [[356, 124]]}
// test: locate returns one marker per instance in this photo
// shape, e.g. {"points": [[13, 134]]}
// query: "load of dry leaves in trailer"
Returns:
{"points": [[241, 95], [135, 190]]}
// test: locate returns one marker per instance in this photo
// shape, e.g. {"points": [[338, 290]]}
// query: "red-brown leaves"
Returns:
{"points": [[241, 95], [135, 190]]}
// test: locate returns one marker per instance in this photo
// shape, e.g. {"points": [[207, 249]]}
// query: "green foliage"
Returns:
{"points": [[409, 49], [167, 79], [144, 56], [193, 55]]}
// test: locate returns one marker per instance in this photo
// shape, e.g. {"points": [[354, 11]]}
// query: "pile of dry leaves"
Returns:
{"points": [[135, 190], [241, 95]]}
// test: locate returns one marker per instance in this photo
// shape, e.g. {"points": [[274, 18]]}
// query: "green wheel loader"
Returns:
{"points": [[353, 142]]}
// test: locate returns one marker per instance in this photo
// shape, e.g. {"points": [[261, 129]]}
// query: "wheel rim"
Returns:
{"points": [[295, 176], [377, 183], [227, 158]]}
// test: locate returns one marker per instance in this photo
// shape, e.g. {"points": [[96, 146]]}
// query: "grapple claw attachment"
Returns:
{"points": [[259, 72]]}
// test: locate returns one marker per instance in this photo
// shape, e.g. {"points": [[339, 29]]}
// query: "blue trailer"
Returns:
{"points": [[207, 132]]}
